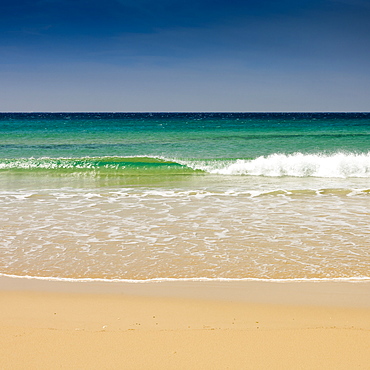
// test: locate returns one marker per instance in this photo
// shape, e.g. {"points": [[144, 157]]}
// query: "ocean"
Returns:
{"points": [[185, 196]]}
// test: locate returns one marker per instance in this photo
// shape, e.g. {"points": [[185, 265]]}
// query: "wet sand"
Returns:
{"points": [[184, 325]]}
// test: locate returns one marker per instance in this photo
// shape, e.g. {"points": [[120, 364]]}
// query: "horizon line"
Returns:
{"points": [[185, 112]]}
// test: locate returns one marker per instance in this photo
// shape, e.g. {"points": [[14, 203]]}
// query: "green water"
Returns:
{"points": [[200, 136]]}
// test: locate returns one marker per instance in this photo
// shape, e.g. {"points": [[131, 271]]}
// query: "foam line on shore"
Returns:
{"points": [[201, 279]]}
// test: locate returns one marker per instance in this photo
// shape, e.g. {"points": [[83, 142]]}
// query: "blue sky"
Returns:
{"points": [[145, 55]]}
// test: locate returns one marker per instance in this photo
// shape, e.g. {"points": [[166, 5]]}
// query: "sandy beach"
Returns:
{"points": [[184, 325]]}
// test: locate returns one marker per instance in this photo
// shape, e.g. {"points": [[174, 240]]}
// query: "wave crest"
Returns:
{"points": [[296, 165], [339, 165]]}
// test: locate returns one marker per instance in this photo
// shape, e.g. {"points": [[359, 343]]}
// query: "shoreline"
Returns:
{"points": [[311, 293]]}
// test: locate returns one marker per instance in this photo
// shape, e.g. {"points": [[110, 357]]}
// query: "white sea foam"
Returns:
{"points": [[200, 279], [51, 195], [342, 165]]}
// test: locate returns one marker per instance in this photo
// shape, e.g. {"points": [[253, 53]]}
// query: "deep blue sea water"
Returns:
{"points": [[185, 195]]}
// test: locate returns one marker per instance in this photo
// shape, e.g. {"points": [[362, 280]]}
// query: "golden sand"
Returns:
{"points": [[46, 325]]}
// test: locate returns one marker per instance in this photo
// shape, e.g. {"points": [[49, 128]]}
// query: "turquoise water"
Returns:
{"points": [[185, 196], [200, 136]]}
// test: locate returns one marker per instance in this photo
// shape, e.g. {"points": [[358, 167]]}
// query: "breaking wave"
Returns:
{"points": [[338, 165], [295, 165]]}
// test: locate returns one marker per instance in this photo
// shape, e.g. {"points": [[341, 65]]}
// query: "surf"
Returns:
{"points": [[336, 165]]}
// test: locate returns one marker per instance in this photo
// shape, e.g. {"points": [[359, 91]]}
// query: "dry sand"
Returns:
{"points": [[245, 325]]}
